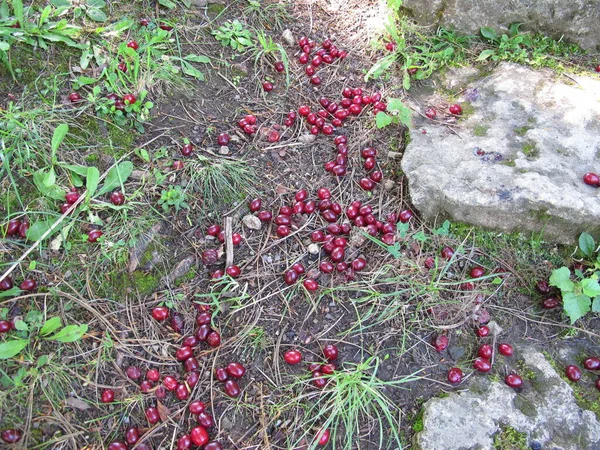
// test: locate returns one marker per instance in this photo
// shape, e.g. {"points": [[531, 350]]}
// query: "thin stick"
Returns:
{"points": [[228, 241]]}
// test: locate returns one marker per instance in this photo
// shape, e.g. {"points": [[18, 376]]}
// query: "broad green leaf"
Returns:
{"points": [[167, 3], [41, 178], [4, 46], [61, 3], [402, 228], [86, 80], [91, 181], [18, 9], [116, 177], [380, 66], [59, 134], [596, 305], [405, 115], [576, 305], [591, 288], [406, 81], [70, 333], [420, 236], [95, 4], [12, 292], [383, 120], [51, 325], [485, 55], [45, 14], [197, 58], [42, 361], [561, 279], [587, 244], [96, 14], [20, 325], [190, 70], [488, 33], [37, 229], [13, 347], [394, 5], [79, 170]]}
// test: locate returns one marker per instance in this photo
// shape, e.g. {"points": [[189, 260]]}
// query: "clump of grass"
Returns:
{"points": [[219, 181], [355, 403]]}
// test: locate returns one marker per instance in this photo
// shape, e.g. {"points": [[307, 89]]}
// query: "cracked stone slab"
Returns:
{"points": [[546, 411], [516, 158]]}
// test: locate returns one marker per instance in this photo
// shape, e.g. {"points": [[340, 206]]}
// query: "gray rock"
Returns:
{"points": [[539, 136], [251, 222], [576, 21], [307, 138], [548, 414], [288, 37], [223, 150]]}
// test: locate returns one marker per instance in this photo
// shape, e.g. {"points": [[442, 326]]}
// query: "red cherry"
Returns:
{"points": [[318, 379], [505, 349], [107, 396], [592, 363], [573, 373], [233, 271], [184, 442], [455, 109], [482, 365], [485, 351], [513, 380], [28, 285], [152, 375], [11, 436], [267, 86], [199, 436], [292, 357], [323, 437], [330, 352], [455, 375], [206, 420], [170, 383], [310, 285], [75, 97], [359, 264], [591, 179], [160, 313], [265, 216], [223, 139], [213, 339], [197, 407], [279, 66], [117, 446], [117, 198], [367, 184], [133, 373], [431, 113], [441, 343], [236, 370], [477, 272], [132, 44], [152, 415], [184, 353], [232, 389], [129, 99], [550, 303], [482, 331]]}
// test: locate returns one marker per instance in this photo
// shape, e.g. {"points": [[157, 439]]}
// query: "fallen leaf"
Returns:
{"points": [[77, 403], [163, 411]]}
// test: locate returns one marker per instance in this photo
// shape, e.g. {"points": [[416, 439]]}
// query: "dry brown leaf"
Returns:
{"points": [[163, 411], [77, 403]]}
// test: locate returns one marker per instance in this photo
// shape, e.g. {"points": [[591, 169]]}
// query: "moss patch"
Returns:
{"points": [[530, 150], [481, 130], [510, 439], [520, 131], [215, 8], [137, 282]]}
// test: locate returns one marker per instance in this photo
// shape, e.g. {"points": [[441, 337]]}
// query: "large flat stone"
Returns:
{"points": [[545, 130], [575, 20], [547, 413]]}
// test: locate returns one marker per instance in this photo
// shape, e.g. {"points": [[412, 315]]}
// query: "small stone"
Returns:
{"points": [[307, 139], [288, 37], [329, 316], [251, 222], [224, 150], [313, 249], [388, 185], [495, 329]]}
